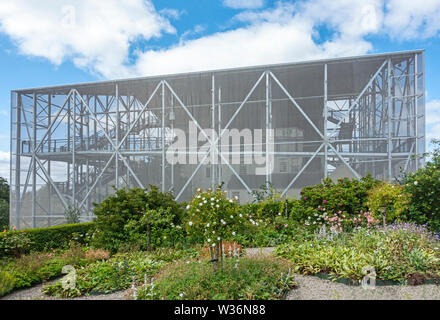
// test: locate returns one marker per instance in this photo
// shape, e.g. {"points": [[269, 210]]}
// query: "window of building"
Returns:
{"points": [[283, 165], [296, 164]]}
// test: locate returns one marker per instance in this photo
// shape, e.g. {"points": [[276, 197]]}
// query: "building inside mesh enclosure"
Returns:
{"points": [[334, 118]]}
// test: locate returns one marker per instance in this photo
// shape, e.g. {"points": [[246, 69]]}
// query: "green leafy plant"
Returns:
{"points": [[129, 206], [423, 189], [388, 197], [343, 201], [117, 273], [15, 243], [4, 204], [42, 239], [395, 251], [211, 216], [36, 267], [248, 279], [157, 227], [7, 282]]}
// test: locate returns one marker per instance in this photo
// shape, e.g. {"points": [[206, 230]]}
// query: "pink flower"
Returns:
{"points": [[325, 201]]}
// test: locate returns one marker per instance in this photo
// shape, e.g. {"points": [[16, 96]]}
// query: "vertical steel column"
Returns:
{"points": [[34, 163], [424, 105], [69, 114], [416, 111], [389, 119], [74, 168], [163, 136], [17, 162], [219, 164], [325, 123], [49, 122], [268, 127], [117, 139], [172, 130], [213, 130], [87, 160], [127, 143]]}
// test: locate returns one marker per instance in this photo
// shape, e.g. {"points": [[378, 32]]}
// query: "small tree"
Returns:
{"points": [[128, 205], [214, 217], [152, 228]]}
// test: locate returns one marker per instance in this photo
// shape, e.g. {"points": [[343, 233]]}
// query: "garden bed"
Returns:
{"points": [[402, 253]]}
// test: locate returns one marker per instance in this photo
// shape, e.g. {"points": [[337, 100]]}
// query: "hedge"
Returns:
{"points": [[51, 237]]}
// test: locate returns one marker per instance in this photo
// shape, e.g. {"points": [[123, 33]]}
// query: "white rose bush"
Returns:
{"points": [[212, 216]]}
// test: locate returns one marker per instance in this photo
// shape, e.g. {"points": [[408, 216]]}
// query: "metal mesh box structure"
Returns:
{"points": [[72, 145]]}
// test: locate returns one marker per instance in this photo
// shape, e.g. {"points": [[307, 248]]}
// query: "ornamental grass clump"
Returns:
{"points": [[212, 217]]}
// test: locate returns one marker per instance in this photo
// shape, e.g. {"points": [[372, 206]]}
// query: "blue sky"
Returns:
{"points": [[50, 42]]}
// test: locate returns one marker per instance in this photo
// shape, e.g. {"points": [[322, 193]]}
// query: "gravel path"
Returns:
{"points": [[314, 288], [34, 293], [255, 252]]}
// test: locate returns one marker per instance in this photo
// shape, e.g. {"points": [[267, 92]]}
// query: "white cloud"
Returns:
{"points": [[409, 19], [96, 35], [172, 13], [271, 36], [197, 30], [243, 4], [432, 120], [4, 164]]}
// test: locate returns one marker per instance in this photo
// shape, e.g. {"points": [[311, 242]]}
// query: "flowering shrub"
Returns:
{"points": [[412, 229], [391, 197], [339, 221], [15, 243], [337, 206], [347, 196], [423, 190], [399, 252], [211, 215]]}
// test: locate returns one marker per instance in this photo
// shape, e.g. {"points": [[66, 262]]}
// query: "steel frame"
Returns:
{"points": [[102, 131]]}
